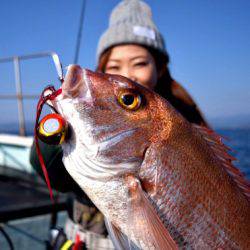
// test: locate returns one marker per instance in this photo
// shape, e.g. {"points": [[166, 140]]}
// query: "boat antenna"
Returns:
{"points": [[79, 35]]}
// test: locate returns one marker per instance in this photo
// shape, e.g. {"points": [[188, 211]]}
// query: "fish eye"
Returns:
{"points": [[129, 100]]}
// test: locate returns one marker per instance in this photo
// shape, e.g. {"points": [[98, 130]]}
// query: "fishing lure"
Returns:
{"points": [[52, 129]]}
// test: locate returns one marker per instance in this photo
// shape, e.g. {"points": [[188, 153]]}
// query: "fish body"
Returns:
{"points": [[161, 182]]}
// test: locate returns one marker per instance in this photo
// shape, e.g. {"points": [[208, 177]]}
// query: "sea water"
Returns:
{"points": [[239, 141]]}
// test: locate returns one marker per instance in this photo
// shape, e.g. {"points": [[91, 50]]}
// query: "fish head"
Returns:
{"points": [[113, 120]]}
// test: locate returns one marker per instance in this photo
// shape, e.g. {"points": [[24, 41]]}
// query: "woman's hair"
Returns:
{"points": [[166, 86]]}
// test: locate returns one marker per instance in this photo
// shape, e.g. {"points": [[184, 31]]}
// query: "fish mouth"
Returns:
{"points": [[77, 84]]}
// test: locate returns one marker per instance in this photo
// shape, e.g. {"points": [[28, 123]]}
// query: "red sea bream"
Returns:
{"points": [[161, 182]]}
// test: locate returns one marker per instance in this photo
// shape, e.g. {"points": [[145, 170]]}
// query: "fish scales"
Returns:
{"points": [[208, 211], [160, 181]]}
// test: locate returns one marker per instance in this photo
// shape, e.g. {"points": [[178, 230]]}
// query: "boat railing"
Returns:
{"points": [[19, 96]]}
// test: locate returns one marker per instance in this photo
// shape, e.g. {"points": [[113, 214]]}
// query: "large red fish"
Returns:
{"points": [[161, 182]]}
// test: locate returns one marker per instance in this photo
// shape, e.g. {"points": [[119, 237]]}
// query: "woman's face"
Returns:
{"points": [[133, 62]]}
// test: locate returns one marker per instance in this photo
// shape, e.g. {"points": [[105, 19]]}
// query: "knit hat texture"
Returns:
{"points": [[131, 23]]}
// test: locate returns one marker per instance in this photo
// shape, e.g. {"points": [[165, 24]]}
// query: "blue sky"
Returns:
{"points": [[208, 42]]}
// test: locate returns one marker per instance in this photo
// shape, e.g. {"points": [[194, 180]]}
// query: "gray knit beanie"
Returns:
{"points": [[131, 22]]}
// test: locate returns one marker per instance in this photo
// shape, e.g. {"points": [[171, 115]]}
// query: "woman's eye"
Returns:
{"points": [[112, 68], [129, 100], [140, 64]]}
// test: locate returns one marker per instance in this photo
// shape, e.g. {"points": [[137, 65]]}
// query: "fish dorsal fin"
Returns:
{"points": [[146, 221], [221, 152]]}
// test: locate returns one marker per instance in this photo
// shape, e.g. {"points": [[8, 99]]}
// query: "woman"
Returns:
{"points": [[133, 47]]}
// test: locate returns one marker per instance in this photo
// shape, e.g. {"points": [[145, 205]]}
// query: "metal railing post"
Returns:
{"points": [[19, 97]]}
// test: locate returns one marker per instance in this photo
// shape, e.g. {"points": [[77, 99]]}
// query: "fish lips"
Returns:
{"points": [[77, 84]]}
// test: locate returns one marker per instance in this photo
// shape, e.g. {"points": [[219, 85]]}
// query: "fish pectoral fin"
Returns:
{"points": [[120, 240], [148, 229]]}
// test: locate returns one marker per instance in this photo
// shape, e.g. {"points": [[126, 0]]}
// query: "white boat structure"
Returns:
{"points": [[14, 152]]}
